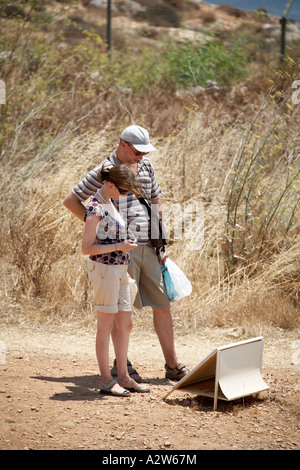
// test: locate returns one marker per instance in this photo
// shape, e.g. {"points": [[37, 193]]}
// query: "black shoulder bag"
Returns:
{"points": [[159, 239]]}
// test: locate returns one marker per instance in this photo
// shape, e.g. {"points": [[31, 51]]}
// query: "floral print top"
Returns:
{"points": [[109, 231]]}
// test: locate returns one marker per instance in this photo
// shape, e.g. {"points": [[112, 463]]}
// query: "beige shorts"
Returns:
{"points": [[146, 270], [110, 286]]}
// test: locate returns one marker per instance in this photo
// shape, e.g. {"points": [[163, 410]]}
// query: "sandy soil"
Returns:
{"points": [[50, 397]]}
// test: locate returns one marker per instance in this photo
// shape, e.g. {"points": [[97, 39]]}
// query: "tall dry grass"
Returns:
{"points": [[234, 152], [246, 176], [44, 277]]}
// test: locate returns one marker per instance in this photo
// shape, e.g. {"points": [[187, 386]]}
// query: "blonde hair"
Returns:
{"points": [[121, 176]]}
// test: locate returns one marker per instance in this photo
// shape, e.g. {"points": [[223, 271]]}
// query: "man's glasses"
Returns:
{"points": [[136, 152]]}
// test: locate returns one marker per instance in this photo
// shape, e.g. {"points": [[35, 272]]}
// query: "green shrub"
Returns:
{"points": [[192, 64]]}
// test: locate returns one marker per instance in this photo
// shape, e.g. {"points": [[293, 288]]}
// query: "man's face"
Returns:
{"points": [[129, 154]]}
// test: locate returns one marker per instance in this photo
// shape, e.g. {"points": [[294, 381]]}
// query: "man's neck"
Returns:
{"points": [[133, 166]]}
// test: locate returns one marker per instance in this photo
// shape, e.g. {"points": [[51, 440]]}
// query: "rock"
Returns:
{"points": [[130, 7], [236, 332]]}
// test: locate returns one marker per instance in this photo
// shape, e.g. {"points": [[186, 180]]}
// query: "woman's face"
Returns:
{"points": [[117, 191]]}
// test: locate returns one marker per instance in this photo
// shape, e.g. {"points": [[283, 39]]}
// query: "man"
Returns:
{"points": [[144, 266]]}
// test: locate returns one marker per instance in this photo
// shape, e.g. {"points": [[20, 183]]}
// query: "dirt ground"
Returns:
{"points": [[50, 397]]}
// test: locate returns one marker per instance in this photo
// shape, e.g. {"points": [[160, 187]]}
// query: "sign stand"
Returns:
{"points": [[228, 373]]}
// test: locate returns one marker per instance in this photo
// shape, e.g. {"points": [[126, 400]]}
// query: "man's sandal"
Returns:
{"points": [[131, 371], [113, 388], [176, 373], [134, 387]]}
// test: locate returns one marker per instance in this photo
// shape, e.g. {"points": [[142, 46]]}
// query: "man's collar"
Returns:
{"points": [[114, 159]]}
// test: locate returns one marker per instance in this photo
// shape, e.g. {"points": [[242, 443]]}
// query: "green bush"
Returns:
{"points": [[192, 64]]}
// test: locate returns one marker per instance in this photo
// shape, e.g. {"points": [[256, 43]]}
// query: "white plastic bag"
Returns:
{"points": [[133, 289], [181, 284]]}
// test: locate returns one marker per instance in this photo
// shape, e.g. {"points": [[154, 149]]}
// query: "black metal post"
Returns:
{"points": [[283, 21], [283, 25], [108, 26]]}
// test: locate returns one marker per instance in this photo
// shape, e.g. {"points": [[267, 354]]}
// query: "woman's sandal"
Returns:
{"points": [[134, 386], [176, 373], [131, 371], [110, 389]]}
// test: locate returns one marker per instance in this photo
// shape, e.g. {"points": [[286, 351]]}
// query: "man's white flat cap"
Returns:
{"points": [[139, 138]]}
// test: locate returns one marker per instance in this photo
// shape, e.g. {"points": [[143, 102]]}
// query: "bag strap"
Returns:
{"points": [[145, 203]]}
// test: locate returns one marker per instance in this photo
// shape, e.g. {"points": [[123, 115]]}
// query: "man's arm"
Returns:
{"points": [[159, 206], [82, 191], [74, 205]]}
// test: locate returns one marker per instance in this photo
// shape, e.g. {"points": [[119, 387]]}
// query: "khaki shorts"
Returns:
{"points": [[146, 270], [110, 286]]}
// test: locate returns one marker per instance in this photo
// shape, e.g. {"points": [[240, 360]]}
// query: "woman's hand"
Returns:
{"points": [[126, 246]]}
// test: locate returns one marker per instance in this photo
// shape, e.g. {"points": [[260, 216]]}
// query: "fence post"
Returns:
{"points": [[108, 26], [282, 21], [283, 25]]}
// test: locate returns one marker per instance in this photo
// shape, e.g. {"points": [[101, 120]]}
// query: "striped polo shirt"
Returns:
{"points": [[136, 214]]}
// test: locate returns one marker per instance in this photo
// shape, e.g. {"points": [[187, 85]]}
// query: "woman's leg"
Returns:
{"points": [[123, 327], [105, 323], [123, 322]]}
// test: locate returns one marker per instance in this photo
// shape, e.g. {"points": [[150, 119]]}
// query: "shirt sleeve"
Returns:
{"points": [[94, 207], [89, 185], [151, 185]]}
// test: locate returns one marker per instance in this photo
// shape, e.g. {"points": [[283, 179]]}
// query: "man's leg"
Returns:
{"points": [[163, 325], [152, 293]]}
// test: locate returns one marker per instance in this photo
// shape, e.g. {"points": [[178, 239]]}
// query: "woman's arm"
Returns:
{"points": [[89, 247]]}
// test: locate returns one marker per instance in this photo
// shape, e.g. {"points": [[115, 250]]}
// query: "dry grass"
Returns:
{"points": [[44, 275], [259, 292]]}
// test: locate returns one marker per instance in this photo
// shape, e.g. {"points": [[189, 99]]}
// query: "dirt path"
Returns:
{"points": [[50, 400]]}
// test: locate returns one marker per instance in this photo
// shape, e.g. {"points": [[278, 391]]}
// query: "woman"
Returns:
{"points": [[105, 239]]}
